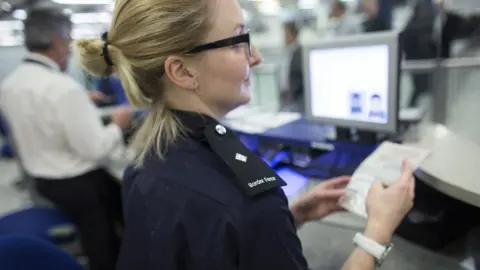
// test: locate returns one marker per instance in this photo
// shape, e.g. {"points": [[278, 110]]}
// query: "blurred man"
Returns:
{"points": [[292, 71], [448, 26], [374, 22], [343, 22], [417, 44], [59, 136]]}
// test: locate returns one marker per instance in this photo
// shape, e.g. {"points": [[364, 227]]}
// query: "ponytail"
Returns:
{"points": [[161, 127]]}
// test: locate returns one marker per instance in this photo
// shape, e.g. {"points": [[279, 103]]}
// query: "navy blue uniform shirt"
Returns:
{"points": [[210, 204]]}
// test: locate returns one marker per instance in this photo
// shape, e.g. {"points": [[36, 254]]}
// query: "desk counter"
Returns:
{"points": [[453, 166]]}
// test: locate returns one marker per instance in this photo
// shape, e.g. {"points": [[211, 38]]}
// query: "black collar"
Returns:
{"points": [[37, 62], [254, 176], [194, 123]]}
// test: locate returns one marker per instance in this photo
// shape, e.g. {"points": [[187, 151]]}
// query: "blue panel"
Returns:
{"points": [[35, 222], [295, 181]]}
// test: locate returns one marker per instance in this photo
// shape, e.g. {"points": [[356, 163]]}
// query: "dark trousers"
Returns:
{"points": [[421, 85], [453, 219], [93, 202]]}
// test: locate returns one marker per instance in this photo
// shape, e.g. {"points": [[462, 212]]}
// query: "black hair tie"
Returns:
{"points": [[105, 53]]}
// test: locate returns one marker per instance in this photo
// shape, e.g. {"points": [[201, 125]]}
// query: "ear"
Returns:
{"points": [[179, 72]]}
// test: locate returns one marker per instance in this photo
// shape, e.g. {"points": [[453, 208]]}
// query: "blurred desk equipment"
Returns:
{"points": [[353, 82], [24, 253], [138, 116], [112, 88], [44, 223]]}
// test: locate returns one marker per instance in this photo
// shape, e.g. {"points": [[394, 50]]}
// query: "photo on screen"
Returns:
{"points": [[356, 103], [377, 108]]}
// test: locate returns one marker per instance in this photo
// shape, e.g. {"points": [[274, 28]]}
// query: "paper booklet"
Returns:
{"points": [[385, 165]]}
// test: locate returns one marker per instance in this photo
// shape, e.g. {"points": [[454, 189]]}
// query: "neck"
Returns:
{"points": [[49, 54], [182, 99]]}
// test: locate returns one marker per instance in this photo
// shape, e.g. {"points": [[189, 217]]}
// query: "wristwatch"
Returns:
{"points": [[373, 248]]}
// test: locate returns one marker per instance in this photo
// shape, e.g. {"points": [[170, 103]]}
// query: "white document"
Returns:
{"points": [[385, 165]]}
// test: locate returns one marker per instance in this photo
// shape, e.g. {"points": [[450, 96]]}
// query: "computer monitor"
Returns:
{"points": [[354, 81]]}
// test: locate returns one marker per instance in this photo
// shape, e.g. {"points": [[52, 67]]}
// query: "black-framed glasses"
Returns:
{"points": [[223, 43]]}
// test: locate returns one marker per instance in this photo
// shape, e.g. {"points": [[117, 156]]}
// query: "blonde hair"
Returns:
{"points": [[142, 35]]}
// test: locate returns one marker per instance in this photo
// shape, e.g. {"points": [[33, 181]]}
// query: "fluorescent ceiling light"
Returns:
{"points": [[269, 7], [83, 2], [19, 14], [11, 25], [7, 41], [101, 17], [307, 4]]}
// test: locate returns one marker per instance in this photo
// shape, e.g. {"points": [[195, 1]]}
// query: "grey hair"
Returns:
{"points": [[42, 26]]}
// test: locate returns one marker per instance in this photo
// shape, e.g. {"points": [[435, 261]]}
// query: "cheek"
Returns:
{"points": [[234, 72], [226, 78]]}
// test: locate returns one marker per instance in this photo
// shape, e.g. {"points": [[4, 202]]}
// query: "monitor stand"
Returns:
{"points": [[345, 161], [343, 134], [356, 136], [366, 137]]}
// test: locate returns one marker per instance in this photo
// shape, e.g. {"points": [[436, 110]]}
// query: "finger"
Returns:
{"points": [[407, 173], [330, 194], [412, 188], [337, 182]]}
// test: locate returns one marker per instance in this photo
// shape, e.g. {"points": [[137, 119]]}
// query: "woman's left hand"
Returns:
{"points": [[321, 201]]}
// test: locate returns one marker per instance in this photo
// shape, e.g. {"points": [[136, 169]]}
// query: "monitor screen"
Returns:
{"points": [[350, 83]]}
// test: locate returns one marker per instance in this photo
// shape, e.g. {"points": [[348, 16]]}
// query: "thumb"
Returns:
{"points": [[376, 187]]}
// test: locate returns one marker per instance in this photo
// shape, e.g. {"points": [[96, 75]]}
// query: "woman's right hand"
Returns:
{"points": [[387, 206], [122, 117]]}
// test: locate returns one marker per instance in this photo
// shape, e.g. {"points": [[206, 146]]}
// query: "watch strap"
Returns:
{"points": [[372, 247]]}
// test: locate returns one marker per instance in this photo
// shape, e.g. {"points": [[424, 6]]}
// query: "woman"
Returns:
{"points": [[196, 197]]}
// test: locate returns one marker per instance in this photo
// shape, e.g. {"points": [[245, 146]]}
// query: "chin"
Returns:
{"points": [[244, 98], [240, 101]]}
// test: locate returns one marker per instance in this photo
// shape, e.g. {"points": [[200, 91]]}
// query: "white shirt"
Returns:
{"points": [[57, 129]]}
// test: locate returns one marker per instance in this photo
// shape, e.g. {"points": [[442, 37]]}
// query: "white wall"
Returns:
{"points": [[10, 57]]}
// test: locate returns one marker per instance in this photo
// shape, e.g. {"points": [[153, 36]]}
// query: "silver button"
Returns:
{"points": [[221, 130]]}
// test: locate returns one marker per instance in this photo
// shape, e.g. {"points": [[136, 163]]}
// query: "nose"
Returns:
{"points": [[255, 58]]}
